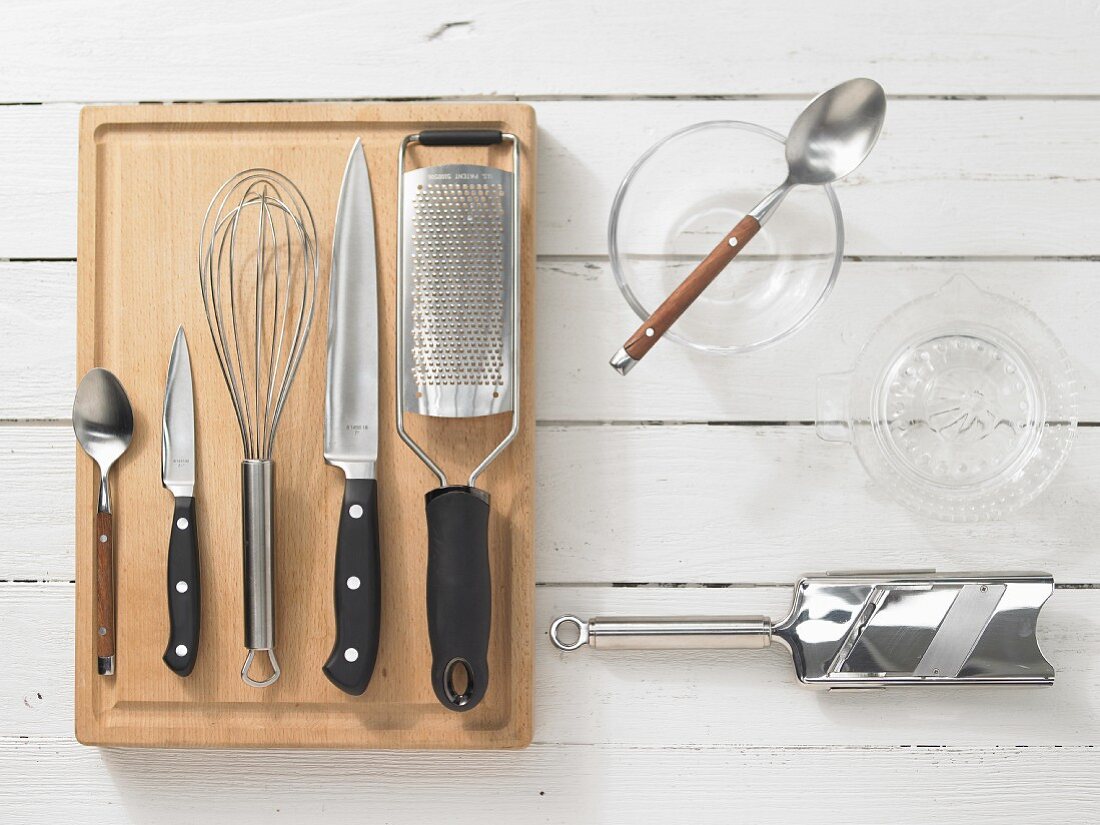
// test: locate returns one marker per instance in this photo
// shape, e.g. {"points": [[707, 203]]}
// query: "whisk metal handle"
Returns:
{"points": [[459, 594], [257, 512]]}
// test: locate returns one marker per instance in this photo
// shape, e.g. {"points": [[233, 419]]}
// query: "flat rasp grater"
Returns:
{"points": [[458, 356]]}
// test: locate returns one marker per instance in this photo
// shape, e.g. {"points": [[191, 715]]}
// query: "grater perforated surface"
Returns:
{"points": [[457, 289]]}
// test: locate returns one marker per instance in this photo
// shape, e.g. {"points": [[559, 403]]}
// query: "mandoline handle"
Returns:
{"points": [[357, 591], [662, 633], [459, 594], [184, 596], [650, 332]]}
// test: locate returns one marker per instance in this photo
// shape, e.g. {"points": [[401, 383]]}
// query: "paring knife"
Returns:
{"points": [[351, 429], [177, 471]]}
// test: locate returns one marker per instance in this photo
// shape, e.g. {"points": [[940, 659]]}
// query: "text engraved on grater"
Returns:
{"points": [[435, 177]]}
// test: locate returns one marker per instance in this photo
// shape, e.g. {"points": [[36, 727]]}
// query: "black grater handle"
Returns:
{"points": [[459, 594], [461, 137]]}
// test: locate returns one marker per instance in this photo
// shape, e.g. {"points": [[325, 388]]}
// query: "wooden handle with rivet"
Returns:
{"points": [[104, 594], [650, 332]]}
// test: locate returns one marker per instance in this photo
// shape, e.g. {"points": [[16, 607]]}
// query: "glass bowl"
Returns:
{"points": [[963, 404], [681, 198]]}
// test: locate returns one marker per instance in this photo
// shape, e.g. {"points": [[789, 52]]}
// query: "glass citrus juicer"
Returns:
{"points": [[962, 405]]}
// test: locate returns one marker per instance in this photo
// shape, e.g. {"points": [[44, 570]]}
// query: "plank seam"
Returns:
{"points": [[549, 423], [9, 740], [672, 97], [866, 259], [611, 585]]}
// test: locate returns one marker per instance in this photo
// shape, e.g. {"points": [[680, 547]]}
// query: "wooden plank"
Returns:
{"points": [[766, 504], [131, 301], [946, 178], [54, 780], [582, 319], [430, 48], [750, 698], [662, 504], [38, 165], [987, 188], [39, 330], [38, 699], [37, 468]]}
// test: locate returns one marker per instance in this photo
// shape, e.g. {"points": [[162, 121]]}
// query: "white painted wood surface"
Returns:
{"points": [[694, 471], [949, 177], [667, 503], [654, 699], [120, 50]]}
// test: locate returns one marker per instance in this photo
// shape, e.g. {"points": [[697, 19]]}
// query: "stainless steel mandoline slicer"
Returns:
{"points": [[868, 630]]}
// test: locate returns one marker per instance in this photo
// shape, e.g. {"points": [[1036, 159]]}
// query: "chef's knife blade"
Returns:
{"points": [[351, 429], [178, 476]]}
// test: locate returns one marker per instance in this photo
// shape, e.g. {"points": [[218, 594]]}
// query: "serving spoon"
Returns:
{"points": [[104, 424], [831, 137]]}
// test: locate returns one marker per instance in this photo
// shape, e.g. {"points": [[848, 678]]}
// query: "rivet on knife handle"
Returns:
{"points": [[184, 594], [357, 590]]}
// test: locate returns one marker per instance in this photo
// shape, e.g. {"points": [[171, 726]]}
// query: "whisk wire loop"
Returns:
{"points": [[259, 306]]}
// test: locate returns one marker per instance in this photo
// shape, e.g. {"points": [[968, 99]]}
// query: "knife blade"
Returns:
{"points": [[351, 429], [177, 470]]}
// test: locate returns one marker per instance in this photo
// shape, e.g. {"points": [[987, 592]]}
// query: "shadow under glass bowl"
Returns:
{"points": [[681, 198]]}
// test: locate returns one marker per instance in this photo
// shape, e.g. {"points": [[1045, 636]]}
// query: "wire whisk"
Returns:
{"points": [[258, 272], [275, 280]]}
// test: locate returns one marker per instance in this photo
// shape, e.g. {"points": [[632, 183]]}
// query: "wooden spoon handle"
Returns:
{"points": [[650, 332], [104, 594]]}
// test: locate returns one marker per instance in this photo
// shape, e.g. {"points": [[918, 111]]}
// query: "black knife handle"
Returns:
{"points": [[357, 591], [459, 594], [461, 137], [184, 594]]}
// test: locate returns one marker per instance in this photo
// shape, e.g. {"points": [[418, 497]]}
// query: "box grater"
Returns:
{"points": [[458, 357]]}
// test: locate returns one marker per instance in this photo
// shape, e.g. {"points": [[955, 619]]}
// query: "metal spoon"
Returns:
{"points": [[832, 136], [104, 424]]}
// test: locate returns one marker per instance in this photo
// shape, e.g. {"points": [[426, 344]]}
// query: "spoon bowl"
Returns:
{"points": [[103, 422], [835, 133]]}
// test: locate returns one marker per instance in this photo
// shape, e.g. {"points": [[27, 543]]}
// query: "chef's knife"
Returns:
{"points": [[177, 471], [351, 429]]}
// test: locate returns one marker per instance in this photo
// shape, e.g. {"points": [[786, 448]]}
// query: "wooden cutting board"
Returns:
{"points": [[147, 174]]}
